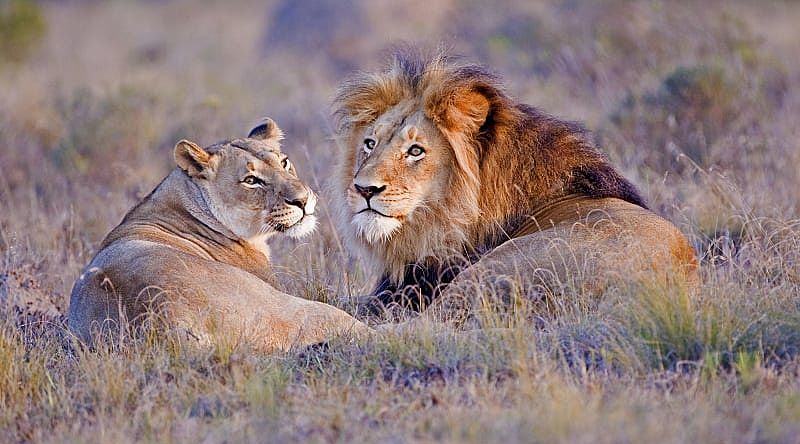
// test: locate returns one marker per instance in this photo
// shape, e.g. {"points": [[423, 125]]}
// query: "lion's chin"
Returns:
{"points": [[301, 229], [374, 228]]}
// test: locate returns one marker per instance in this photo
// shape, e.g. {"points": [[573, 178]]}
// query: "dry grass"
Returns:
{"points": [[696, 101]]}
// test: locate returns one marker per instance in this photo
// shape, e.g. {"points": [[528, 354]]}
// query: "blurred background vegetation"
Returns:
{"points": [[696, 101]]}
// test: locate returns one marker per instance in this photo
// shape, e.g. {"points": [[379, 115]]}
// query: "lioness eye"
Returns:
{"points": [[369, 145], [286, 164], [252, 181], [415, 151]]}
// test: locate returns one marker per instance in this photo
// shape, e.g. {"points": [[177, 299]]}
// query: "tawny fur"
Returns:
{"points": [[503, 161], [192, 253]]}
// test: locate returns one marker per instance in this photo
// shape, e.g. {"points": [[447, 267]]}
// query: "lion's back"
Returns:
{"points": [[609, 238]]}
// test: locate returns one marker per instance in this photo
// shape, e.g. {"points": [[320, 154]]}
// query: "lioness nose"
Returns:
{"points": [[368, 191], [300, 203]]}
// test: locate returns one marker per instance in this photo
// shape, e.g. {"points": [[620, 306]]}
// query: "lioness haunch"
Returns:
{"points": [[194, 252]]}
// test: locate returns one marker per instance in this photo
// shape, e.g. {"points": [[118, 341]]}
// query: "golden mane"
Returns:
{"points": [[511, 159]]}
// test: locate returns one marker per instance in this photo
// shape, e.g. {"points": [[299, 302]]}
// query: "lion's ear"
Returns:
{"points": [[460, 116], [465, 112], [267, 129], [193, 159]]}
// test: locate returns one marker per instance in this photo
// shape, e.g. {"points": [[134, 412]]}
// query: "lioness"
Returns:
{"points": [[194, 252], [447, 185]]}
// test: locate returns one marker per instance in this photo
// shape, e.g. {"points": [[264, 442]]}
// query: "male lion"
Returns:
{"points": [[194, 252], [446, 183]]}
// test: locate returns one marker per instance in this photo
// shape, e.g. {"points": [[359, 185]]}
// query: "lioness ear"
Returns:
{"points": [[192, 158], [267, 129]]}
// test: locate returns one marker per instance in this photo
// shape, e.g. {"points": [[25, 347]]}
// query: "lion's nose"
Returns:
{"points": [[369, 190]]}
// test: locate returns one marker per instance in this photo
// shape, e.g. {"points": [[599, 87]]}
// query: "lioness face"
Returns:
{"points": [[257, 196], [251, 187], [402, 165]]}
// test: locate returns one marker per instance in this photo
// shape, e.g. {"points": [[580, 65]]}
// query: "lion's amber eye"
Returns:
{"points": [[369, 145], [415, 151], [286, 164]]}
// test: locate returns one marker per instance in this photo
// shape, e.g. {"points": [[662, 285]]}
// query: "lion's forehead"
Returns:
{"points": [[401, 123]]}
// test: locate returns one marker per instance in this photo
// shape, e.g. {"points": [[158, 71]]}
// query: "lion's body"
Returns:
{"points": [[492, 174], [172, 257], [580, 245]]}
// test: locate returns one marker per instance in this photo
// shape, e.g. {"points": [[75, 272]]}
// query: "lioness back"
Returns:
{"points": [[193, 253], [442, 173]]}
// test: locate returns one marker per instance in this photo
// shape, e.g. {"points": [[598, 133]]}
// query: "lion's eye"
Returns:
{"points": [[252, 181], [369, 145], [286, 164], [415, 151]]}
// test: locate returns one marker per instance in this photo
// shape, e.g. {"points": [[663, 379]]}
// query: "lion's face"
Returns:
{"points": [[250, 186], [402, 166], [408, 185]]}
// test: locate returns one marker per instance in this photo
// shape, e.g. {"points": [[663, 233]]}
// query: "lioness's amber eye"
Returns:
{"points": [[286, 164], [415, 151], [251, 180], [369, 145]]}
